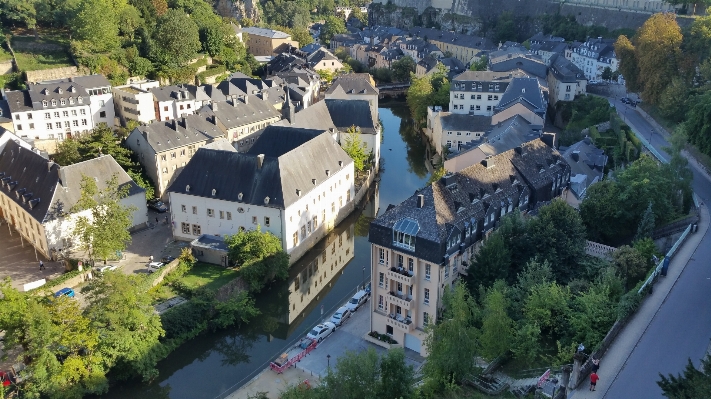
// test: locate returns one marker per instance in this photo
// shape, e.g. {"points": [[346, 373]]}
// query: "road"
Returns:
{"points": [[681, 329]]}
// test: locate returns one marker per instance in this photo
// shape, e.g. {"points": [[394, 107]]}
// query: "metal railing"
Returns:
{"points": [[669, 255]]}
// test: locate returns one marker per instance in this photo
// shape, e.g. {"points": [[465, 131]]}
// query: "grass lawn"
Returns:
{"points": [[208, 275], [5, 55], [46, 60]]}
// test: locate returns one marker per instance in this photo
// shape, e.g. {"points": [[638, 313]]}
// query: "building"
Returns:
{"points": [[5, 116], [134, 101], [479, 92], [450, 132], [306, 80], [430, 64], [165, 147], [172, 102], [465, 48], [355, 86], [593, 56], [644, 6], [324, 60], [241, 118], [295, 183], [565, 80], [37, 196], [264, 42], [51, 111], [523, 97], [420, 247], [587, 167]]}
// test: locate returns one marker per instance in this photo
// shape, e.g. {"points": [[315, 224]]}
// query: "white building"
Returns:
{"points": [[593, 56], [355, 86], [135, 101], [479, 92], [36, 195], [294, 183], [173, 102], [55, 110]]}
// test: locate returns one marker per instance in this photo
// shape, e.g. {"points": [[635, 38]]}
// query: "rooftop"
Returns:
{"points": [[270, 33]]}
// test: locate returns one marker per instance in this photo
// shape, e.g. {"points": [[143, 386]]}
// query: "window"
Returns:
{"points": [[381, 279], [102, 114], [348, 196], [254, 220], [222, 214], [165, 108], [165, 170], [102, 103], [229, 215], [428, 270], [303, 232], [49, 126], [410, 265], [296, 238], [62, 101], [196, 229], [340, 201], [427, 296], [380, 302], [47, 115], [66, 123], [333, 207], [75, 123], [404, 233], [488, 108], [195, 210], [425, 319], [266, 221], [32, 126], [478, 107], [183, 208], [186, 228], [471, 108], [65, 113], [315, 222], [172, 155], [490, 97], [82, 111], [446, 270], [400, 260], [19, 127]]}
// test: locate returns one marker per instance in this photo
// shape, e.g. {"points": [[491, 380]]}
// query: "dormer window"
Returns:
{"points": [[80, 100], [63, 101], [54, 103], [404, 233], [44, 103], [71, 100], [60, 91]]}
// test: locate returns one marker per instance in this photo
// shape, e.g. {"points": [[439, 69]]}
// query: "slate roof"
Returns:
{"points": [[453, 64], [220, 144], [530, 64], [335, 114], [89, 81], [320, 55], [166, 135], [207, 93], [429, 63], [352, 85], [236, 113], [466, 123], [210, 242], [566, 71], [540, 37], [526, 91], [47, 191], [170, 93], [270, 33], [310, 48], [279, 177], [488, 76], [587, 165], [69, 90]]}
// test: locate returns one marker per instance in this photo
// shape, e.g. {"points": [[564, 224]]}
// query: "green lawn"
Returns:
{"points": [[46, 60], [5, 55], [208, 275]]}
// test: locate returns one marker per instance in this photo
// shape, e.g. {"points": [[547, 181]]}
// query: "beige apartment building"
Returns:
{"points": [[264, 42]]}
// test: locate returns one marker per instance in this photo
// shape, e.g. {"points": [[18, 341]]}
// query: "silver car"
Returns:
{"points": [[340, 316]]}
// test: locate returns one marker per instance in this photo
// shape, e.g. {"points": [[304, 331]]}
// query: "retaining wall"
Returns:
{"points": [[6, 67]]}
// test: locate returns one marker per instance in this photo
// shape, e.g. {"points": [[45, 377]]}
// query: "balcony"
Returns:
{"points": [[400, 275], [400, 300], [403, 324]]}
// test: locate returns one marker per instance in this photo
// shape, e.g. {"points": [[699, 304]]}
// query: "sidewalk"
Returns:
{"points": [[614, 360], [274, 384]]}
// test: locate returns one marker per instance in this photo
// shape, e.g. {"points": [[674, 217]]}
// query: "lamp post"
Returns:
{"points": [[328, 359], [363, 277], [650, 136]]}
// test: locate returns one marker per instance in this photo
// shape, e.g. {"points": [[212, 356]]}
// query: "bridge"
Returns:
{"points": [[393, 89]]}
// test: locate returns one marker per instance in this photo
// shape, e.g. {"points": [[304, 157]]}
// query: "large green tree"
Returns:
{"points": [[497, 330], [630, 264], [694, 382], [658, 49], [97, 23], [332, 27], [629, 65], [176, 39], [102, 227], [259, 257], [402, 69], [491, 262]]}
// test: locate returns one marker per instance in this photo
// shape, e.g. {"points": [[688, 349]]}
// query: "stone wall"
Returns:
{"points": [[164, 272], [6, 67], [599, 250], [52, 74]]}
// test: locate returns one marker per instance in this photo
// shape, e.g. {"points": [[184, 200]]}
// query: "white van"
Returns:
{"points": [[358, 299]]}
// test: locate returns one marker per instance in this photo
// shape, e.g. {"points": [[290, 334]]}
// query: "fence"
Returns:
{"points": [[280, 368]]}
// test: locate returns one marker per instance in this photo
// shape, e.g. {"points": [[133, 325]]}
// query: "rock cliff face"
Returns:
{"points": [[237, 9]]}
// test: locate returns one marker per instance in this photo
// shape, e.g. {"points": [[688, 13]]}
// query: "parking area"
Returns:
{"points": [[18, 260]]}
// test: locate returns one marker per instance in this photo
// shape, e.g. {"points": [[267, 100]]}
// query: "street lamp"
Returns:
{"points": [[650, 136], [363, 277], [328, 359]]}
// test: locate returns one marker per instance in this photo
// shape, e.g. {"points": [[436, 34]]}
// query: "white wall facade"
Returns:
{"points": [[592, 67], [133, 103], [53, 123], [173, 109], [102, 105], [467, 102]]}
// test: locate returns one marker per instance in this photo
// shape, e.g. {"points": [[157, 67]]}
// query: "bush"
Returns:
{"points": [[628, 303], [64, 277]]}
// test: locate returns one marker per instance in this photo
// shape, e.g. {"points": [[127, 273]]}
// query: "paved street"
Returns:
{"points": [[18, 261], [674, 323]]}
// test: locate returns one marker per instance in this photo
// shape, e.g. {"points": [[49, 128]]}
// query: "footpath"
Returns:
{"points": [[615, 359]]}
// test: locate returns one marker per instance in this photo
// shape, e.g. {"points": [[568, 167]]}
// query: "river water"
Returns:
{"points": [[215, 364]]}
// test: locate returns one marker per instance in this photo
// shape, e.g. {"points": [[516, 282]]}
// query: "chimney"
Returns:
{"points": [[575, 156], [260, 161], [420, 201], [246, 99], [234, 102], [328, 172], [518, 150], [265, 96], [488, 163], [63, 177], [214, 107], [49, 165], [549, 139]]}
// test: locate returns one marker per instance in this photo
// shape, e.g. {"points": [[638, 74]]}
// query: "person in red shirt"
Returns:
{"points": [[593, 380]]}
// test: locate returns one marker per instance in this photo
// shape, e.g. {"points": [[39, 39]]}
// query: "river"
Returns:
{"points": [[215, 364]]}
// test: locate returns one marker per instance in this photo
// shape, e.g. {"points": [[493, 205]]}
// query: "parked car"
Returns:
{"points": [[322, 331], [106, 268], [358, 299], [167, 259], [157, 205], [340, 316], [154, 266], [64, 292]]}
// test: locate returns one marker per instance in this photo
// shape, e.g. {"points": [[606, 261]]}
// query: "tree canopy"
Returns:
{"points": [[258, 256], [176, 39]]}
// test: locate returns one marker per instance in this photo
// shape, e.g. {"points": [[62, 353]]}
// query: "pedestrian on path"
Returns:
{"points": [[595, 365], [41, 265], [593, 380], [150, 259], [156, 220]]}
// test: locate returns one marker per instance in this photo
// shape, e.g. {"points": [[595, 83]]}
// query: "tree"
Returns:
{"points": [[160, 7], [129, 20], [332, 27], [491, 262], [672, 102], [658, 49], [104, 230], [129, 327], [606, 73], [20, 11], [630, 264], [698, 122], [692, 383], [356, 148], [482, 64], [559, 226], [591, 318], [97, 23], [356, 376], [452, 341], [259, 257], [505, 29], [402, 69], [176, 39], [396, 377], [302, 35], [68, 152], [547, 305], [628, 65], [497, 330], [646, 225], [360, 16]]}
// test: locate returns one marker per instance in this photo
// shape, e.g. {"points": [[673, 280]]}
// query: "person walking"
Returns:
{"points": [[150, 259], [595, 364], [156, 220], [41, 265], [593, 380]]}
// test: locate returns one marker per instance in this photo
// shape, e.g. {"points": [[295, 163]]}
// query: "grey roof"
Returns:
{"points": [[220, 144], [459, 39], [429, 63], [275, 184], [352, 85], [206, 93], [270, 33], [207, 241], [550, 47], [320, 55], [73, 93], [236, 113], [452, 63], [465, 122], [171, 93], [310, 48], [276, 141], [335, 114], [488, 76], [47, 191], [166, 135], [530, 64], [565, 71], [540, 37], [526, 91], [587, 165], [599, 49], [90, 81]]}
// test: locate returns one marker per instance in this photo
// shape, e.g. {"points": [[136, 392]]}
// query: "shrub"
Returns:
{"points": [[628, 304]]}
